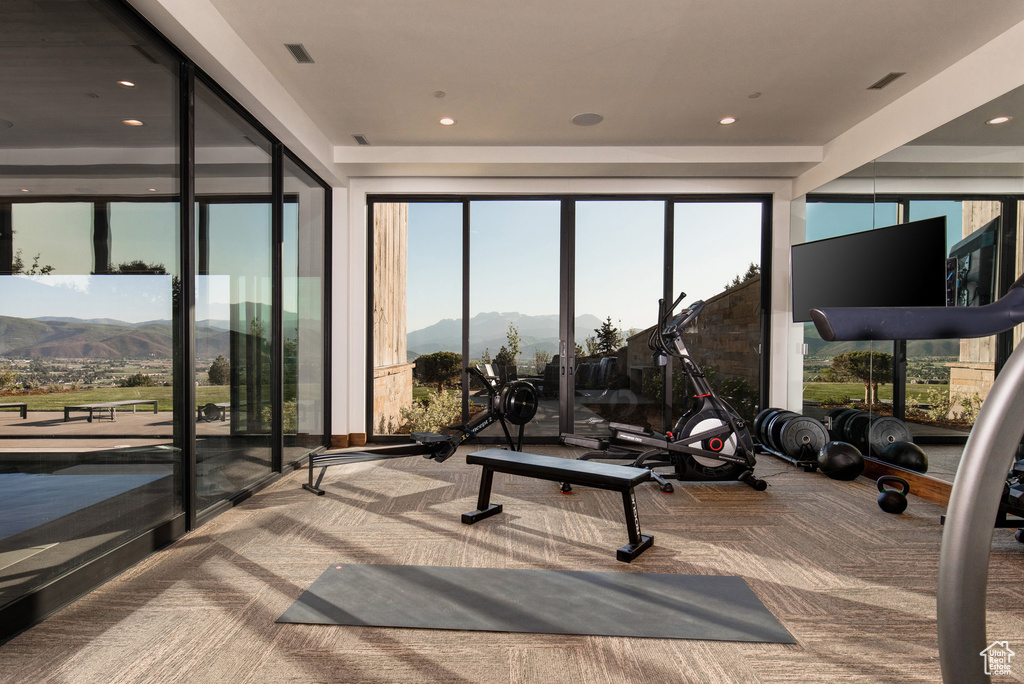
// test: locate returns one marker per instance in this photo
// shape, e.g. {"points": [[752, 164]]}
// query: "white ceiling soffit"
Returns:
{"points": [[661, 73], [765, 162]]}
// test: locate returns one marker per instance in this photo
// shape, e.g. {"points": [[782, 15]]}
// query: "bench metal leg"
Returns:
{"points": [[484, 509], [309, 486], [638, 542]]}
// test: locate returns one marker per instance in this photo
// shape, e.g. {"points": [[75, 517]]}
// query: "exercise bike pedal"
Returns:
{"points": [[566, 488], [667, 488]]}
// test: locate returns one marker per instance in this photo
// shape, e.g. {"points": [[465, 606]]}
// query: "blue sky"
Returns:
{"points": [[514, 256]]}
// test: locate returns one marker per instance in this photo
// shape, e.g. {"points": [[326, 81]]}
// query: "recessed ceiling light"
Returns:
{"points": [[24, 189], [439, 94], [447, 121], [132, 122], [152, 189], [126, 84], [998, 120], [727, 120], [754, 96], [587, 119]]}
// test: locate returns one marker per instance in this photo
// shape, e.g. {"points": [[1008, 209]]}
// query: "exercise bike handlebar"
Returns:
{"points": [[923, 322]]}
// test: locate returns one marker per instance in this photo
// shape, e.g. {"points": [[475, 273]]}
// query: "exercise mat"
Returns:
{"points": [[631, 604]]}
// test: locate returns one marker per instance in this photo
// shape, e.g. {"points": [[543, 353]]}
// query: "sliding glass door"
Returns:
{"points": [[619, 248], [460, 282]]}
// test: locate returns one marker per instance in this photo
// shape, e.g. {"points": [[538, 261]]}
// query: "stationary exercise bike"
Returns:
{"points": [[709, 441]]}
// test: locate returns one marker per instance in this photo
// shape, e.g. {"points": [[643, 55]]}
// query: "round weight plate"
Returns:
{"points": [[759, 421], [839, 418], [836, 411], [883, 431], [802, 437], [773, 429], [855, 429]]}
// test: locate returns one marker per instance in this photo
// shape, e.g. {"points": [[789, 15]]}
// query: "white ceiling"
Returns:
{"points": [[661, 72]]}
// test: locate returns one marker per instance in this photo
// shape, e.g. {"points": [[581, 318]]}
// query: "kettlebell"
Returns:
{"points": [[891, 500]]}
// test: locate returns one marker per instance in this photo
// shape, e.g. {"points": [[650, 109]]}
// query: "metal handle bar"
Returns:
{"points": [[922, 322]]}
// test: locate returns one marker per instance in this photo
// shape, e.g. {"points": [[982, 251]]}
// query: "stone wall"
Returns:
{"points": [[726, 335], [392, 373]]}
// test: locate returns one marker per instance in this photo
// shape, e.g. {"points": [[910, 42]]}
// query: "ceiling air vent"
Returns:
{"points": [[361, 139], [299, 53], [886, 80]]}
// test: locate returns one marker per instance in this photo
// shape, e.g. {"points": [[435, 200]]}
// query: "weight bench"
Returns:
{"points": [[616, 478]]}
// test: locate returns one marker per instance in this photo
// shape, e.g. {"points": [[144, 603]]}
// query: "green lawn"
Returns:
{"points": [[842, 391], [58, 400]]}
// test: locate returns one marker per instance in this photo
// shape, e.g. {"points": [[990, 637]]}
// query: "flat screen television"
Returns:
{"points": [[901, 265], [974, 261]]}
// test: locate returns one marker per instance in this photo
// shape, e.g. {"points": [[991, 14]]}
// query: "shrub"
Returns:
{"points": [[940, 401], [137, 380], [435, 412]]}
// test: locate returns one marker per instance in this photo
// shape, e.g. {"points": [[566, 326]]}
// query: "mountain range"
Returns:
{"points": [[915, 348], [103, 338], [489, 331]]}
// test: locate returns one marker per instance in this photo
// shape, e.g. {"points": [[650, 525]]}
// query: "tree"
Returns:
{"points": [[220, 371], [608, 339], [871, 368], [18, 266], [513, 343], [439, 368], [541, 358], [752, 272], [486, 358], [137, 267]]}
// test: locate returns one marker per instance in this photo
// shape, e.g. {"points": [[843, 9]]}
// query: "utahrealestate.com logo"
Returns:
{"points": [[997, 658]]}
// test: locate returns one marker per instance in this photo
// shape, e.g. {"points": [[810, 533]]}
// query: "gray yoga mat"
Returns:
{"points": [[628, 604]]}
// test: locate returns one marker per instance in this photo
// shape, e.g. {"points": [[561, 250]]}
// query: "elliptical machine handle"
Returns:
{"points": [[685, 318]]}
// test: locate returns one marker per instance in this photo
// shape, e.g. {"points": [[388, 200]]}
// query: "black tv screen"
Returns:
{"points": [[901, 265]]}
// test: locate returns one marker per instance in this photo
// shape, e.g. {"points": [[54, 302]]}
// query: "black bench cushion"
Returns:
{"points": [[586, 473]]}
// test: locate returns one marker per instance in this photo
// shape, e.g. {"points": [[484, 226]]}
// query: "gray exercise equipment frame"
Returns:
{"points": [[978, 486]]}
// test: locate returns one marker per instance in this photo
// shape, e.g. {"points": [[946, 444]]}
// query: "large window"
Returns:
{"points": [[126, 372], [89, 292], [521, 269], [304, 411], [234, 296]]}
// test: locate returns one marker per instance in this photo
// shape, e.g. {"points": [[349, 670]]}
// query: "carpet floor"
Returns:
{"points": [[853, 585]]}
